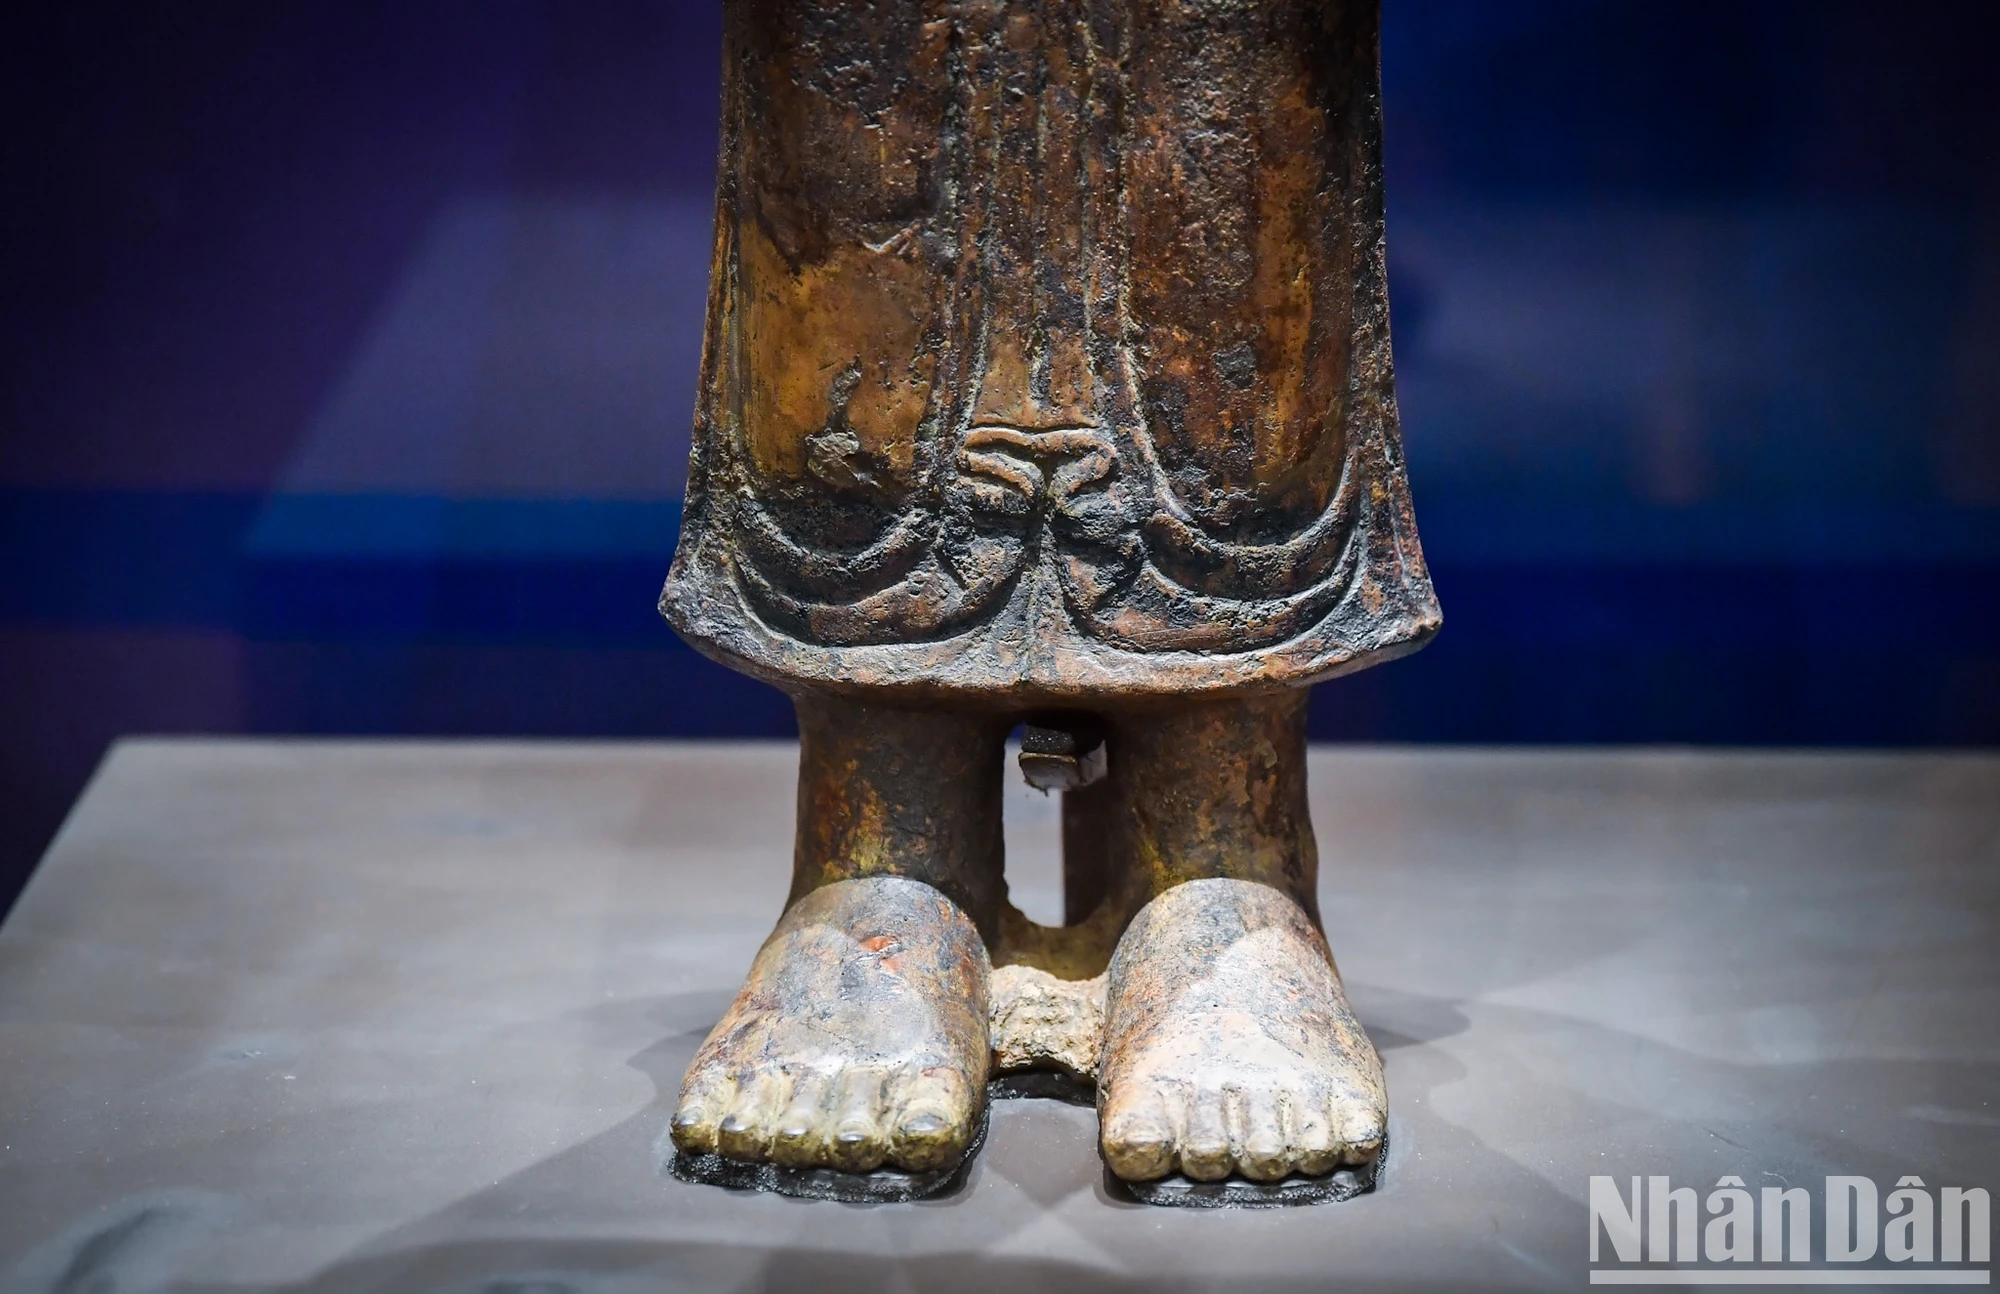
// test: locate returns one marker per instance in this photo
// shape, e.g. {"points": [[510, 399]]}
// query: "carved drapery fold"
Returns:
{"points": [[1048, 350]]}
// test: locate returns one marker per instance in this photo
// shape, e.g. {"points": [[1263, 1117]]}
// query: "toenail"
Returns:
{"points": [[735, 1123], [923, 1125]]}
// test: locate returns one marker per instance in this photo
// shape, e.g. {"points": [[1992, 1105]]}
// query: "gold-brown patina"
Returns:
{"points": [[1047, 380]]}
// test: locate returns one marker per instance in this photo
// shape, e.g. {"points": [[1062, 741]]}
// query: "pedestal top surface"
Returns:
{"points": [[344, 1016]]}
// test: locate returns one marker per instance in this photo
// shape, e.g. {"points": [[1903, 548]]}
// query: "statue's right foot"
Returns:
{"points": [[858, 1041]]}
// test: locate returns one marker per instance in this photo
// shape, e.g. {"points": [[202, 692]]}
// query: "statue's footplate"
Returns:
{"points": [[1179, 1192], [883, 1186], [891, 1186]]}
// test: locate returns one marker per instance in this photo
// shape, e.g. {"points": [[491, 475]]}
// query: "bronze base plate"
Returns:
{"points": [[883, 1186], [1179, 1192]]}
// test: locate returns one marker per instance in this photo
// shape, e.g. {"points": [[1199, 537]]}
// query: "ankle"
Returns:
{"points": [[885, 791], [1215, 790]]}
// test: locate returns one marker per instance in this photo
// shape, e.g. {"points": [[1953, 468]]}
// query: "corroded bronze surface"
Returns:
{"points": [[1047, 383], [1048, 353], [891, 791]]}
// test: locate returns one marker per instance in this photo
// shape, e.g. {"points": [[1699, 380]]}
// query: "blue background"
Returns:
{"points": [[351, 347]]}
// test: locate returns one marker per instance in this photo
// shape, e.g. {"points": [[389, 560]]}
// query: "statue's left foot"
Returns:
{"points": [[1229, 1046]]}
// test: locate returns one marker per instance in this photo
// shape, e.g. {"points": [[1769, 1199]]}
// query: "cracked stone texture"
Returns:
{"points": [[1041, 1022]]}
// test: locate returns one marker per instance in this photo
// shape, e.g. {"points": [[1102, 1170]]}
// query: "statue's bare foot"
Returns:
{"points": [[858, 1041], [1229, 1045]]}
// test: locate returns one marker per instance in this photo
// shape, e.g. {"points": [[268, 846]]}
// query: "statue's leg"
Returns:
{"points": [[1229, 1044], [859, 1039]]}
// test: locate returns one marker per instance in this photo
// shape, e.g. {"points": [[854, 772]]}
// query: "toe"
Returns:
{"points": [[857, 1144], [1265, 1155], [799, 1138], [745, 1132], [1361, 1128], [933, 1119], [1138, 1132], [1316, 1148], [705, 1099], [1205, 1151]]}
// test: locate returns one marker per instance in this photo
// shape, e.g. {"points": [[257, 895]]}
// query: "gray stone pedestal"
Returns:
{"points": [[410, 1016]]}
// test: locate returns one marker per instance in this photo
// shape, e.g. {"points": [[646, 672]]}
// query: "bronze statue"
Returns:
{"points": [[1047, 382]]}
